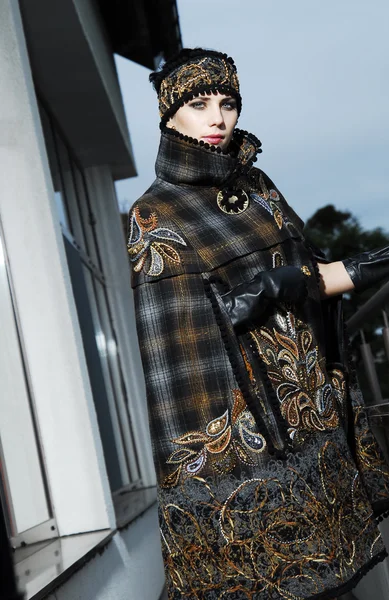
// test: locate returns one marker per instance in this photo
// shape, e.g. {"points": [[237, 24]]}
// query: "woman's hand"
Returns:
{"points": [[334, 279], [357, 273], [248, 300]]}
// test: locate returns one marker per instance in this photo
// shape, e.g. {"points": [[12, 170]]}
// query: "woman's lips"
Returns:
{"points": [[213, 139]]}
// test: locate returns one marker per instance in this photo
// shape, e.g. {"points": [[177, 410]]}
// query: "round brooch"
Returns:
{"points": [[232, 201]]}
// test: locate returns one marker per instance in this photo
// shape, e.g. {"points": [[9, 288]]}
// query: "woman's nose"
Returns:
{"points": [[216, 118]]}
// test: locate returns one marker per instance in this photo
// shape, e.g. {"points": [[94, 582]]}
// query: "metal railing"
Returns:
{"points": [[356, 323], [378, 409], [369, 309]]}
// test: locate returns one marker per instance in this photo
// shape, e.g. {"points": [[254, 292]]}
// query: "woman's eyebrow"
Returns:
{"points": [[207, 97]]}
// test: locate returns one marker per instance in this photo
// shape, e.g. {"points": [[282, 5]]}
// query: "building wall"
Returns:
{"points": [[43, 295], [131, 565]]}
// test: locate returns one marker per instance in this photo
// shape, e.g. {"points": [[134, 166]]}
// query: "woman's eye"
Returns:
{"points": [[229, 105], [198, 104]]}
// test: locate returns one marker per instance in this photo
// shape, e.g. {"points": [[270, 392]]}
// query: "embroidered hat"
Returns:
{"points": [[193, 72]]}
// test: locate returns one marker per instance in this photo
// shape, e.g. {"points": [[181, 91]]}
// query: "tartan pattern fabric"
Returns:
{"points": [[194, 167], [237, 520], [177, 340]]}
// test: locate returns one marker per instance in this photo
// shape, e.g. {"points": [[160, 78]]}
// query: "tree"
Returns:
{"points": [[339, 234]]}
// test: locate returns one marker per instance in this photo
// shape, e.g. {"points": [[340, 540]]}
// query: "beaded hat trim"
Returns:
{"points": [[206, 74]]}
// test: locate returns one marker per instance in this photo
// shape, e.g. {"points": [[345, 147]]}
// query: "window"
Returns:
{"points": [[94, 307], [21, 465]]}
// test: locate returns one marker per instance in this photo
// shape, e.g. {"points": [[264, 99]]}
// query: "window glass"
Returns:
{"points": [[115, 371], [87, 217], [104, 346], [71, 196], [55, 170], [22, 474]]}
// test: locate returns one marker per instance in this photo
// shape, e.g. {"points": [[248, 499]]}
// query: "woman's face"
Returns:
{"points": [[209, 118]]}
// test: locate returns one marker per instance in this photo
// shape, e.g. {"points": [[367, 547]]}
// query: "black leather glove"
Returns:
{"points": [[368, 268], [248, 300]]}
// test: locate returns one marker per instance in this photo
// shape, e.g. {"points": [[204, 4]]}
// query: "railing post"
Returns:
{"points": [[368, 361], [385, 333], [369, 309]]}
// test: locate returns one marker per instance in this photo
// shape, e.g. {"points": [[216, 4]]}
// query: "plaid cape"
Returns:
{"points": [[276, 502]]}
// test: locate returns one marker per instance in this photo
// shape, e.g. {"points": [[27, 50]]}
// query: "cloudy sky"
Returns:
{"points": [[315, 84]]}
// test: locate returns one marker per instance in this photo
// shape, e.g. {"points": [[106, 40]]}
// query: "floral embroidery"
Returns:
{"points": [[225, 439], [338, 383], [147, 242], [370, 460], [292, 533], [247, 364], [277, 259], [268, 202], [259, 200], [307, 400]]}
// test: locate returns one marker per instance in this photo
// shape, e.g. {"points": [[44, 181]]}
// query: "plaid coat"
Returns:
{"points": [[269, 476]]}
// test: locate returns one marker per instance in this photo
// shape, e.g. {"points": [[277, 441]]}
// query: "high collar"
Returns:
{"points": [[183, 160]]}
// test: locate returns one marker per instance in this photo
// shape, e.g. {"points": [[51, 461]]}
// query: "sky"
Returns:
{"points": [[314, 79]]}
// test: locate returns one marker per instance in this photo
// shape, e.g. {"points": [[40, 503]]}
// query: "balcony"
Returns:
{"points": [[376, 583]]}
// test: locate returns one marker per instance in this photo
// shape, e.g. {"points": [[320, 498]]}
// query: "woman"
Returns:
{"points": [[269, 477]]}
